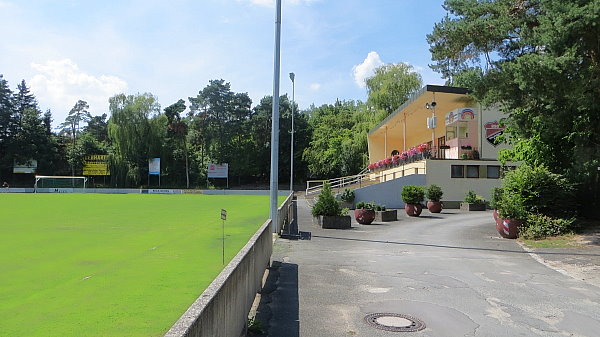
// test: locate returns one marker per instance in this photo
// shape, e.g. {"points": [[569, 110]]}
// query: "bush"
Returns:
{"points": [[434, 192], [473, 198], [347, 195], [510, 206], [540, 191], [413, 194], [370, 205], [326, 204], [496, 197], [538, 226]]}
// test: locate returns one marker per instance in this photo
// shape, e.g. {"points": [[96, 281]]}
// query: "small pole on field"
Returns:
{"points": [[223, 217]]}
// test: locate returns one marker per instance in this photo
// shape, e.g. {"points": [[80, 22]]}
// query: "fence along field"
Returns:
{"points": [[113, 265]]}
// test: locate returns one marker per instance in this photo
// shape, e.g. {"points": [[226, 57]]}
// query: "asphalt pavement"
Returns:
{"points": [[450, 271]]}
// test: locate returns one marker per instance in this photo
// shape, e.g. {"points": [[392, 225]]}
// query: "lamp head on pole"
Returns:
{"points": [[292, 76], [430, 105]]}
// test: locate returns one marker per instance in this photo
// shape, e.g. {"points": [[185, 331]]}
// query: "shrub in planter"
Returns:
{"points": [[494, 201], [347, 198], [329, 212], [530, 191], [541, 191], [413, 195], [383, 215], [511, 214], [473, 202], [434, 194], [365, 212], [348, 195]]}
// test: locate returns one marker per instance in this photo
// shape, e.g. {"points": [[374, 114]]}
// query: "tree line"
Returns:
{"points": [[215, 126]]}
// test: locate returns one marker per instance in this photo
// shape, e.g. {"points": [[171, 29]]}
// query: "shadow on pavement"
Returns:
{"points": [[451, 247], [279, 308]]}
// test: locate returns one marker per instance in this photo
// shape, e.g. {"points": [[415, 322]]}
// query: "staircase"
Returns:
{"points": [[362, 179], [366, 178]]}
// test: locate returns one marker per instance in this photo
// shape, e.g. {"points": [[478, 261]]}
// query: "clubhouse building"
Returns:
{"points": [[439, 136]]}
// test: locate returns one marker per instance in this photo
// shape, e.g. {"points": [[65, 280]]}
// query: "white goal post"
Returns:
{"points": [[59, 182]]}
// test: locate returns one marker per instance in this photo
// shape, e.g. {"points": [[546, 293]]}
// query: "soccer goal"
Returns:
{"points": [[59, 182]]}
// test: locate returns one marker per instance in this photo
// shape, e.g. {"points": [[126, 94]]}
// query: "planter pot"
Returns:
{"points": [[346, 204], [508, 228], [465, 206], [413, 209], [389, 215], [434, 206], [364, 216], [334, 222]]}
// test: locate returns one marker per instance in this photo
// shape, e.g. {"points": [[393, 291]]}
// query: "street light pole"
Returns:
{"points": [[292, 77], [275, 120]]}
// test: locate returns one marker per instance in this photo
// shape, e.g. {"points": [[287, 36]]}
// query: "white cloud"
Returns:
{"points": [[366, 69], [315, 86], [59, 84]]}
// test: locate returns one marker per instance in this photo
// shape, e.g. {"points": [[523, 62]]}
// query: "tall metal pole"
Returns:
{"points": [[275, 119], [292, 77]]}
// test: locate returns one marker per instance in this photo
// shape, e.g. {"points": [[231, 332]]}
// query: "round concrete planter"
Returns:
{"points": [[434, 206], [508, 228], [364, 216], [413, 209]]}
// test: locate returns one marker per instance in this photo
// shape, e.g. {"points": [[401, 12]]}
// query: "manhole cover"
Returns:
{"points": [[394, 322]]}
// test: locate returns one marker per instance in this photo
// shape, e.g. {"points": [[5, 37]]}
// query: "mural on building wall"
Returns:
{"points": [[465, 114], [493, 131]]}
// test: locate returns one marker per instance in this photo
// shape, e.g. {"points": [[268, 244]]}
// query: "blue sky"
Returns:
{"points": [[68, 50]]}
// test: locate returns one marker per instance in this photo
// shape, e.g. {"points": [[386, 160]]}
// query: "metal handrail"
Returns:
{"points": [[339, 183]]}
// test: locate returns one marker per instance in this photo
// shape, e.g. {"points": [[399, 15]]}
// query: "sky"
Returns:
{"points": [[67, 50]]}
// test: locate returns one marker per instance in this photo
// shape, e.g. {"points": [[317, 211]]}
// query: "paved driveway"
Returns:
{"points": [[450, 270]]}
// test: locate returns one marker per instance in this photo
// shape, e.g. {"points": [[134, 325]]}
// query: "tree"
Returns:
{"points": [[218, 120], [70, 126], [392, 85], [177, 131], [23, 99], [8, 125], [539, 59], [135, 139], [258, 155], [76, 116], [332, 151], [97, 126]]}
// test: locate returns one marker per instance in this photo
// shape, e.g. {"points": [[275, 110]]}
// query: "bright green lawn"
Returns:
{"points": [[113, 265]]}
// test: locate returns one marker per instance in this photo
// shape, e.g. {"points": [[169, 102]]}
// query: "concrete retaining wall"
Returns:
{"points": [[222, 309], [388, 193]]}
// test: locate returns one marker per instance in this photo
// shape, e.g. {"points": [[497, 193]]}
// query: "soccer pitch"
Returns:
{"points": [[113, 264]]}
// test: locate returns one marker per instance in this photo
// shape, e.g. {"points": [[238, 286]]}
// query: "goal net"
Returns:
{"points": [[59, 182]]}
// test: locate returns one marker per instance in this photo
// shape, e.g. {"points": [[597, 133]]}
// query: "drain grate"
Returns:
{"points": [[394, 322]]}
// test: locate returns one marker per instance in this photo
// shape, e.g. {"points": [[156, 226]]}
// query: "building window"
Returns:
{"points": [[472, 171], [493, 172], [457, 171]]}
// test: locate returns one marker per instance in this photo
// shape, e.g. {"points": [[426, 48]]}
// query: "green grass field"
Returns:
{"points": [[113, 265]]}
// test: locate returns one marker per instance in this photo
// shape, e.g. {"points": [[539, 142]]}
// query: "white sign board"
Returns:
{"points": [[218, 170], [28, 167], [154, 166], [160, 191]]}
